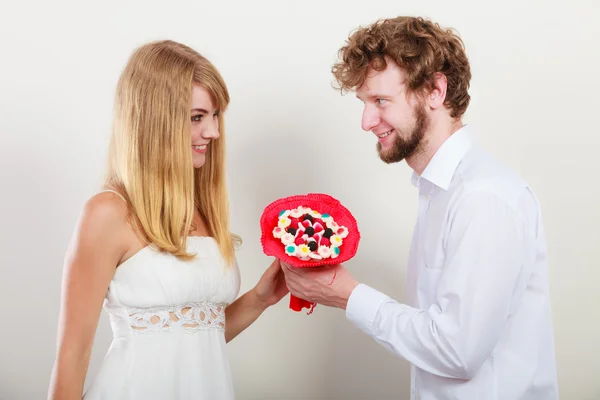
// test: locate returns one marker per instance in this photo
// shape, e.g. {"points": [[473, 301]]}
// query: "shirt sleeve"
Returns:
{"points": [[484, 264]]}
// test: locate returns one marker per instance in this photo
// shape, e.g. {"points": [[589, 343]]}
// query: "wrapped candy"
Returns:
{"points": [[307, 231]]}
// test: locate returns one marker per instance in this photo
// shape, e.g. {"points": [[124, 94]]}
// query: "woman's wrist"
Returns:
{"points": [[255, 301]]}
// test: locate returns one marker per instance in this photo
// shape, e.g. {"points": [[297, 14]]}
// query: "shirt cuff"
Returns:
{"points": [[363, 305]]}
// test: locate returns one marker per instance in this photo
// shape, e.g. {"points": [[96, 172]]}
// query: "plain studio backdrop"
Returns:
{"points": [[534, 104]]}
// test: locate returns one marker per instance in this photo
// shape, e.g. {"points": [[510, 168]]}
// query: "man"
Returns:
{"points": [[479, 323]]}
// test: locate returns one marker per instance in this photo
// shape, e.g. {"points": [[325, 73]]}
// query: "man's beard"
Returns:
{"points": [[402, 148]]}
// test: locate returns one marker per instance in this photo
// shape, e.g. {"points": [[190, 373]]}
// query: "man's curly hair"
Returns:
{"points": [[420, 47]]}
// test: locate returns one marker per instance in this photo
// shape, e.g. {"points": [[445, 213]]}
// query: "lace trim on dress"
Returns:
{"points": [[190, 317]]}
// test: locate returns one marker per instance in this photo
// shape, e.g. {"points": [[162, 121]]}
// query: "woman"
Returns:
{"points": [[155, 246]]}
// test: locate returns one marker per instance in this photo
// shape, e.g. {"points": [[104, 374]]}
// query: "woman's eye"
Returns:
{"points": [[197, 118], [380, 101]]}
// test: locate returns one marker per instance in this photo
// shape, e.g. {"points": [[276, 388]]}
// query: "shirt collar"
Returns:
{"points": [[444, 162]]}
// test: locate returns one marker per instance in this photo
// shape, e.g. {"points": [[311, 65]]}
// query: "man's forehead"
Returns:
{"points": [[376, 82]]}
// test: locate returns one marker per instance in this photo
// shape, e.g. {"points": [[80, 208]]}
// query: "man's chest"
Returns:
{"points": [[428, 248]]}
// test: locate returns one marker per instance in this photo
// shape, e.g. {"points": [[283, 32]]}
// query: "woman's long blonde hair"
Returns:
{"points": [[150, 157]]}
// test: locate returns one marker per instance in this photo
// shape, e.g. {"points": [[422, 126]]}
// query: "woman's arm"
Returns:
{"points": [[95, 250], [244, 311]]}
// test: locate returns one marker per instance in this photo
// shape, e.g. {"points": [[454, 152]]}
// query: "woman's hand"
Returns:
{"points": [[271, 287], [244, 311]]}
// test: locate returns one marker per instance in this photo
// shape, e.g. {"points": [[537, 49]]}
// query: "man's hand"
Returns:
{"points": [[328, 285]]}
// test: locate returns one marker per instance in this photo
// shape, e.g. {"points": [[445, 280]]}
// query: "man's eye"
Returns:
{"points": [[380, 101]]}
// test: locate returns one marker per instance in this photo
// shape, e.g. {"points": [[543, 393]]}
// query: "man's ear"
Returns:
{"points": [[437, 96]]}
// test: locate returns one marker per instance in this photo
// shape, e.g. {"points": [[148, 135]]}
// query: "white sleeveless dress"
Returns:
{"points": [[168, 318]]}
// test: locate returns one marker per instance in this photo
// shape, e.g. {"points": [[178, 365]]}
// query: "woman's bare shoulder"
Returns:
{"points": [[105, 222]]}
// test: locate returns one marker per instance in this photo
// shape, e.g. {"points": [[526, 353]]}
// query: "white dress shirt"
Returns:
{"points": [[479, 324]]}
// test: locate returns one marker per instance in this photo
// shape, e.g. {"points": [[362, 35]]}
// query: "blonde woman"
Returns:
{"points": [[155, 248]]}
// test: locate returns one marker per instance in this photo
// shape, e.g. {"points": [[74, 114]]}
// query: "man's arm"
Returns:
{"points": [[452, 338]]}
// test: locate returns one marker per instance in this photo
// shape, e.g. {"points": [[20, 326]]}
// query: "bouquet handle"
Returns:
{"points": [[297, 304]]}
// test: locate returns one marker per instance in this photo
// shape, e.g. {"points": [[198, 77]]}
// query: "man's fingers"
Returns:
{"points": [[288, 269], [287, 266], [295, 283], [292, 286], [294, 279]]}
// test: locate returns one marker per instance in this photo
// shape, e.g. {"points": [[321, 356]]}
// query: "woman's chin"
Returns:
{"points": [[198, 160]]}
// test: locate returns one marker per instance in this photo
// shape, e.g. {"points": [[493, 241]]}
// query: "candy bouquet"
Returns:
{"points": [[308, 231]]}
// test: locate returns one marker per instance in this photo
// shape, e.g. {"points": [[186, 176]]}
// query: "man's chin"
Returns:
{"points": [[388, 156], [390, 160]]}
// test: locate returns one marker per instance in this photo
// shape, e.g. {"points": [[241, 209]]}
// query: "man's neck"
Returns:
{"points": [[436, 135]]}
